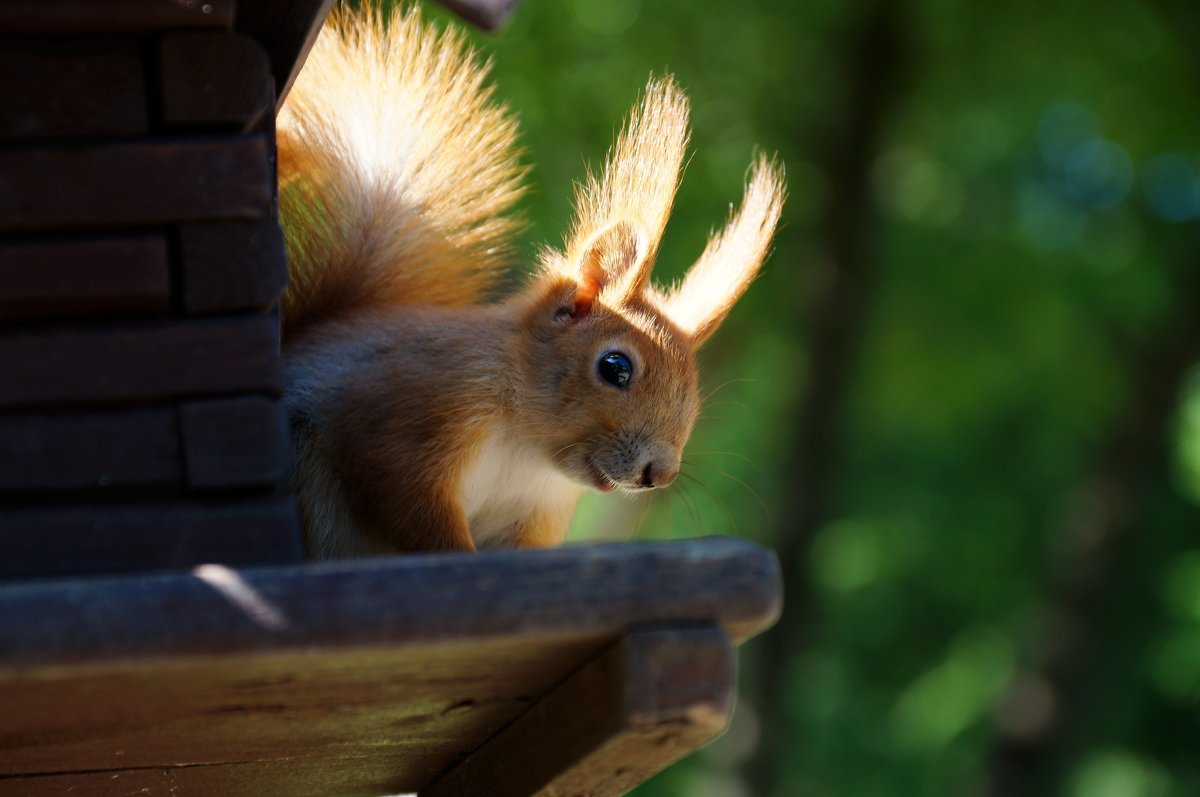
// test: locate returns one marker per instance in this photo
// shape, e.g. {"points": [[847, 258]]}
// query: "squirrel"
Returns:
{"points": [[425, 415]]}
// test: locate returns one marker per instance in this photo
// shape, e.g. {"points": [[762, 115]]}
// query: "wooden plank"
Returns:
{"points": [[358, 722], [159, 359], [220, 80], [286, 29], [232, 266], [237, 442], [571, 591], [134, 183], [112, 16], [133, 448], [210, 444], [638, 707], [93, 277], [56, 541], [71, 88], [487, 14]]}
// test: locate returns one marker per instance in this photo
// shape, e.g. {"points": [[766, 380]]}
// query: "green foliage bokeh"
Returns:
{"points": [[1033, 211]]}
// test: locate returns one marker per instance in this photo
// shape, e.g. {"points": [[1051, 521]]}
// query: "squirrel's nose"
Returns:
{"points": [[659, 473]]}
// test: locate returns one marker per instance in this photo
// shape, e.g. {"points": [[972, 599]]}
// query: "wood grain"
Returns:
{"points": [[104, 538], [134, 183], [71, 88], [214, 81], [356, 722], [84, 278], [235, 442], [232, 265], [638, 707], [80, 451], [159, 359], [112, 16]]}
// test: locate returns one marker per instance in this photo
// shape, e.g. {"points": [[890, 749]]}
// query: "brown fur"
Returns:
{"points": [[423, 418]]}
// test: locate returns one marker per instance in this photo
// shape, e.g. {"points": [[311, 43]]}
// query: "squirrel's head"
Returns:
{"points": [[612, 356]]}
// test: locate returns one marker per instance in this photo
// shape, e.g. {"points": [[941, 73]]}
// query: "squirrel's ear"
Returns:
{"points": [[620, 215], [731, 259], [608, 263]]}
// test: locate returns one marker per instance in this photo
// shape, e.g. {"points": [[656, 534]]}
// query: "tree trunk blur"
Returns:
{"points": [[875, 53]]}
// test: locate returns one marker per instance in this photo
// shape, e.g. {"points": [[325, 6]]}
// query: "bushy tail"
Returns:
{"points": [[396, 170]]}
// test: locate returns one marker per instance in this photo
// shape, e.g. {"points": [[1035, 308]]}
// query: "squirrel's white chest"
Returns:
{"points": [[505, 483]]}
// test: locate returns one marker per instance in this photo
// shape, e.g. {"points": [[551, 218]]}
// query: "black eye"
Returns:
{"points": [[615, 369]]}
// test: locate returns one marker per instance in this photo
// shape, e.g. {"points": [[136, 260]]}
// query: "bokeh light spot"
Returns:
{"points": [[1119, 773], [954, 694], [1061, 129], [1175, 666], [1181, 586], [610, 17], [1099, 173], [918, 188], [1172, 186], [847, 555]]}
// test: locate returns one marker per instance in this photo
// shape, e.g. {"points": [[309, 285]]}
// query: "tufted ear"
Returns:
{"points": [[731, 259], [620, 216], [610, 263]]}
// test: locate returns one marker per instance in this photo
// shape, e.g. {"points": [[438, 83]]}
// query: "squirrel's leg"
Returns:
{"points": [[416, 520], [440, 526]]}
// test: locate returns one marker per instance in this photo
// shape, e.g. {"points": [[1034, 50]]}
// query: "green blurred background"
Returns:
{"points": [[961, 402]]}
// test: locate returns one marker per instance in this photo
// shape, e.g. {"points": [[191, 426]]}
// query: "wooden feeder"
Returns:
{"points": [[159, 633]]}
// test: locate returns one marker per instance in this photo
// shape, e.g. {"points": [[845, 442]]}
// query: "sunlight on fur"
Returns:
{"points": [[426, 414]]}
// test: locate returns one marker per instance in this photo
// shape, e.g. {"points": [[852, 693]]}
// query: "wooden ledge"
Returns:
{"points": [[599, 664], [574, 591]]}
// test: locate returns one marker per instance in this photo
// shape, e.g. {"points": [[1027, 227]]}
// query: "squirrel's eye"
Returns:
{"points": [[615, 368]]}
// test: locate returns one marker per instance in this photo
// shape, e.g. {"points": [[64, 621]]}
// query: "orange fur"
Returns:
{"points": [[396, 170], [423, 417]]}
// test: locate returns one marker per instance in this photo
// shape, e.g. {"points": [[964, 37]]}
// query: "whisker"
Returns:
{"points": [[734, 454], [716, 496], [635, 530], [762, 504], [724, 385], [691, 508]]}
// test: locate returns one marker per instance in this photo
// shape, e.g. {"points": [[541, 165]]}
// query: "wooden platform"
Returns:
{"points": [[581, 670]]}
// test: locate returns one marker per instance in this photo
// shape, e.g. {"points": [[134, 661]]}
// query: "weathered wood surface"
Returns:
{"points": [[158, 359], [372, 677], [565, 591], [134, 183], [487, 14], [207, 444], [234, 442], [43, 542], [135, 448], [223, 266], [81, 278], [214, 80], [112, 16], [71, 88], [286, 29], [355, 722], [653, 697], [233, 265]]}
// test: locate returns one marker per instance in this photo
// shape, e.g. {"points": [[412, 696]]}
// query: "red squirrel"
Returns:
{"points": [[424, 416]]}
